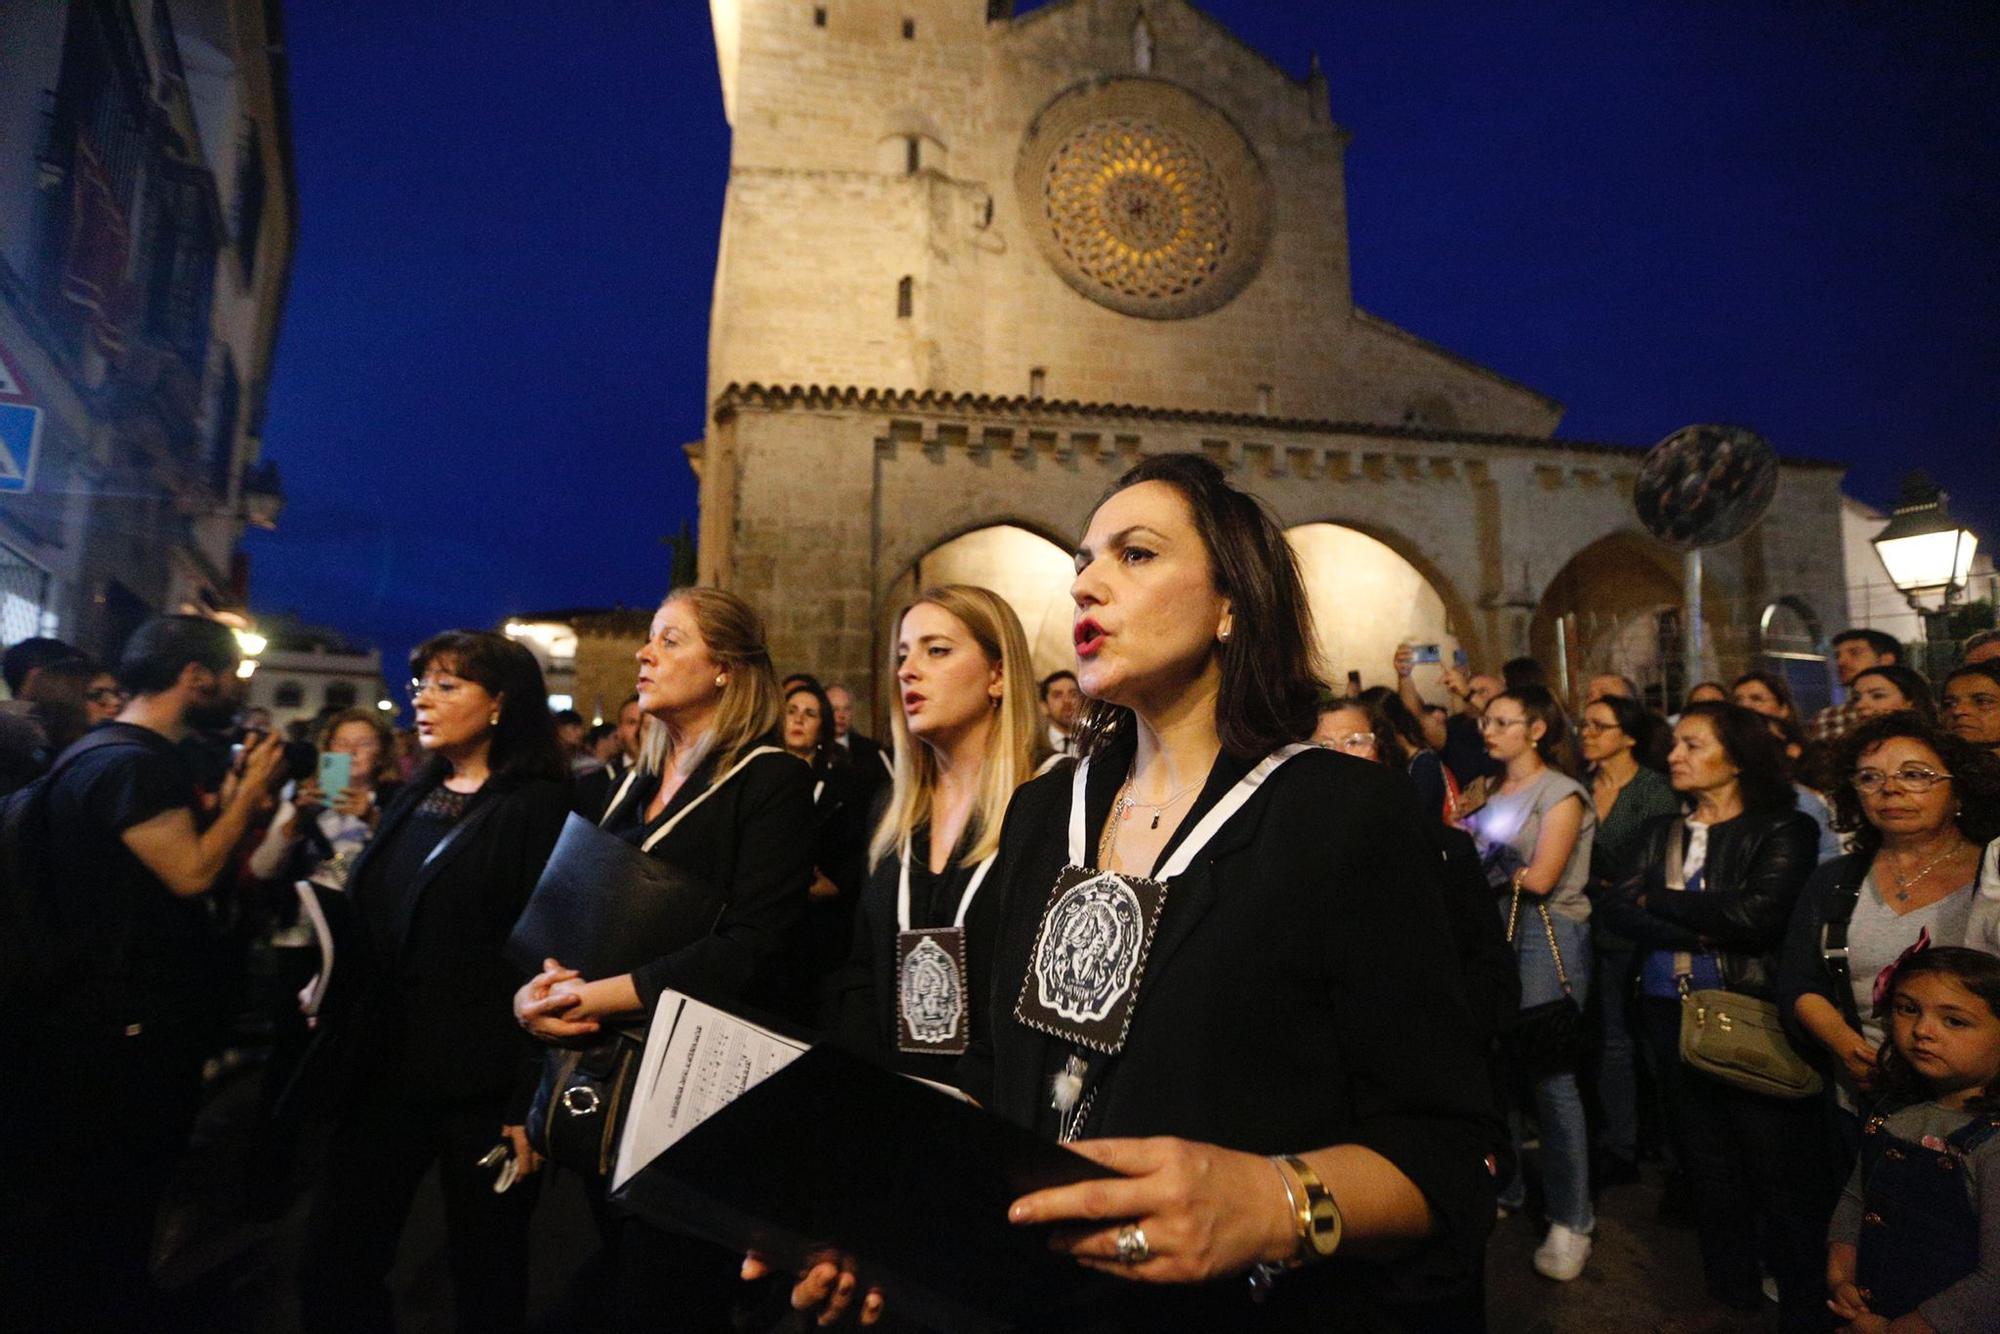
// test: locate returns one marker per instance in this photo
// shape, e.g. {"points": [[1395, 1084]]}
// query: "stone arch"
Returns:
{"points": [[1020, 561], [905, 127], [1462, 627], [1789, 624], [1367, 596], [1615, 606]]}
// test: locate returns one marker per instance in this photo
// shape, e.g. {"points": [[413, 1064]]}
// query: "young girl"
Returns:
{"points": [[1915, 1243]]}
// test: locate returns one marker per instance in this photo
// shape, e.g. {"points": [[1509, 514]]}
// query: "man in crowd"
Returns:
{"points": [[593, 790], [1980, 646], [1456, 739], [570, 728], [868, 756], [124, 979], [50, 682], [1854, 652], [1062, 705]]}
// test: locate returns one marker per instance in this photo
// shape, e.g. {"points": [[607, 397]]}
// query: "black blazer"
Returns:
{"points": [[1303, 989], [437, 1013], [752, 842], [1757, 863]]}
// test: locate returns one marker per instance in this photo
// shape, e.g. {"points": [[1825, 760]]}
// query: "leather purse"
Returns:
{"points": [[579, 1105], [1553, 1037], [1729, 1036]]}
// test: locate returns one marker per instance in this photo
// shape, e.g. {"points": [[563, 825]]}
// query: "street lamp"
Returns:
{"points": [[1926, 554]]}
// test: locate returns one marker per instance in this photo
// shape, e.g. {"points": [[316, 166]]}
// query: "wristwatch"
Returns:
{"points": [[1315, 1214]]}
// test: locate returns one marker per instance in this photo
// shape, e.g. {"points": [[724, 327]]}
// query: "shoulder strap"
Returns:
{"points": [[653, 839], [1837, 916]]}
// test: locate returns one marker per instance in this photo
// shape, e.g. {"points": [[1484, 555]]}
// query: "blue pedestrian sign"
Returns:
{"points": [[20, 437]]}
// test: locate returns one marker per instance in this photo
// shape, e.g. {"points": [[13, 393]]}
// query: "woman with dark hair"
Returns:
{"points": [[1892, 688], [1617, 736], [1281, 913], [715, 796], [1535, 834], [1920, 805], [427, 1065], [1406, 748], [1706, 692], [1969, 704], [1707, 902], [840, 837]]}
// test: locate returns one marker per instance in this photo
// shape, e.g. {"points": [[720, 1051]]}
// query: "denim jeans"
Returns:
{"points": [[1558, 1102], [1617, 1057]]}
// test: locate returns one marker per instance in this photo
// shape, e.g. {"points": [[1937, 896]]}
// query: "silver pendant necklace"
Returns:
{"points": [[1126, 804], [1903, 882]]}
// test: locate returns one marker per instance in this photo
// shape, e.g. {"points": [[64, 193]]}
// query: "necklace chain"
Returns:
{"points": [[1158, 808], [1903, 882]]}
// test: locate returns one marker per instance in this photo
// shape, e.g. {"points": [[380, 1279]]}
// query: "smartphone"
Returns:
{"points": [[336, 772], [1425, 653]]}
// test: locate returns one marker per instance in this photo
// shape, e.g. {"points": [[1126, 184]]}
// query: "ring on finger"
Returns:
{"points": [[1133, 1248]]}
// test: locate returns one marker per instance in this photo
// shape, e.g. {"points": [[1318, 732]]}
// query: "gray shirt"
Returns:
{"points": [[1510, 823]]}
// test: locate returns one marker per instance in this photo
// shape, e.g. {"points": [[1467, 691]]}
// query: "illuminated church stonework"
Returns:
{"points": [[973, 265]]}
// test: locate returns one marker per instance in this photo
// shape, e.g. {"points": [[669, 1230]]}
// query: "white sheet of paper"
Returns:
{"points": [[698, 1060]]}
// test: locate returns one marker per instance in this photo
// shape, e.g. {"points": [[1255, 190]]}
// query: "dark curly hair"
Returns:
{"points": [[1780, 688], [1271, 681], [1908, 681], [1975, 970], [1763, 776], [1975, 777]]}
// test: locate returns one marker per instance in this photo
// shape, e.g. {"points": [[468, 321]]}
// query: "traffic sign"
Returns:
{"points": [[20, 439], [13, 389]]}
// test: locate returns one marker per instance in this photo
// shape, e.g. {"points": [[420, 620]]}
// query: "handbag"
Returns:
{"points": [[1553, 1037], [579, 1106], [605, 907], [1729, 1036]]}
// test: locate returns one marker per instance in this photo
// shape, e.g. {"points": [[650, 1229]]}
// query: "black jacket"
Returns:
{"points": [[1757, 864], [437, 1014], [752, 841], [1303, 989]]}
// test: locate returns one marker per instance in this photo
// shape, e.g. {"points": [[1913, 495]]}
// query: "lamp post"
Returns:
{"points": [[1927, 555]]}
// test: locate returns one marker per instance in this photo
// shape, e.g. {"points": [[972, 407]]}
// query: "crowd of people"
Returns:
{"points": [[1331, 982]]}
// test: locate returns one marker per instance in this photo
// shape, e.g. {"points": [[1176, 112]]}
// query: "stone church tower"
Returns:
{"points": [[974, 264]]}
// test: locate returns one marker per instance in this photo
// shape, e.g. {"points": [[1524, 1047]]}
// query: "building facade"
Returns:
{"points": [[305, 670], [973, 264], [147, 217]]}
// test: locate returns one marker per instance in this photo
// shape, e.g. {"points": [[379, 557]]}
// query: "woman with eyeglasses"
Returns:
{"points": [[1617, 735], [427, 1066], [103, 698], [1535, 833], [1920, 804], [1756, 1164]]}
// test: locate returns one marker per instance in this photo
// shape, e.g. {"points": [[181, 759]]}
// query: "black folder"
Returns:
{"points": [[603, 907], [833, 1153]]}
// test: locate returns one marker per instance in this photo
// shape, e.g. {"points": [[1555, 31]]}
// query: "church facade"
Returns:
{"points": [[974, 264]]}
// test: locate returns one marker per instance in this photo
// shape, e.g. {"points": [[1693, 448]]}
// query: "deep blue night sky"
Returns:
{"points": [[1782, 215]]}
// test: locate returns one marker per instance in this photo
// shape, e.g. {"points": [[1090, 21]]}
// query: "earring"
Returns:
{"points": [[494, 721], [1224, 636], [721, 681]]}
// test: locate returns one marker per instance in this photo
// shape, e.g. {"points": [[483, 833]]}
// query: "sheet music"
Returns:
{"points": [[698, 1060]]}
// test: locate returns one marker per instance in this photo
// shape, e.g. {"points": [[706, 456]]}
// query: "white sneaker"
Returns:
{"points": [[1562, 1254]]}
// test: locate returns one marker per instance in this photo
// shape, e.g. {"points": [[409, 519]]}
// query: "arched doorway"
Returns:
{"points": [[1366, 599], [1032, 573], [1615, 607]]}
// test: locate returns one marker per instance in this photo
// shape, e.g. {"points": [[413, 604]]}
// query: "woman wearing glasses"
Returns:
{"points": [[1920, 804], [426, 1063], [1535, 833]]}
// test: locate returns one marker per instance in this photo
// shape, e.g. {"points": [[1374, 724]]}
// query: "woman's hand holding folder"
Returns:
{"points": [[827, 1287]]}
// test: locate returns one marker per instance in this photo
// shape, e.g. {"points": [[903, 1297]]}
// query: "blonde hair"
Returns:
{"points": [[1018, 740], [385, 758], [750, 707]]}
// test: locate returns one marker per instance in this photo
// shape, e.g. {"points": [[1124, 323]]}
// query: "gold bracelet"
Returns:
{"points": [[1320, 1223]]}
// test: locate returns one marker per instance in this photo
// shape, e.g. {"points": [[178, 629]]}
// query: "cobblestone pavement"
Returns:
{"points": [[224, 1276]]}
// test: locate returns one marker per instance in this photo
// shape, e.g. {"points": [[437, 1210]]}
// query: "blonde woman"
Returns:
{"points": [[737, 812], [967, 732]]}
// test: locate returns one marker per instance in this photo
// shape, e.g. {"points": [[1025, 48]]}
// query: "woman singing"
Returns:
{"points": [[1275, 1052], [715, 795], [967, 733]]}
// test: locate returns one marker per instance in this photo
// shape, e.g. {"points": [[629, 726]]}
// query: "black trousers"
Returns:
{"points": [[376, 1158], [96, 1122], [1757, 1166]]}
